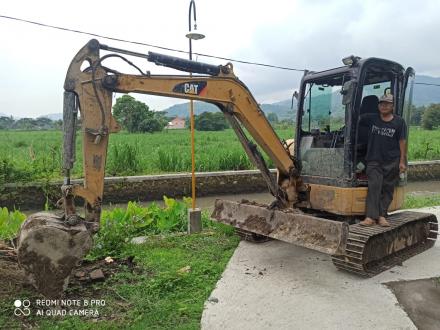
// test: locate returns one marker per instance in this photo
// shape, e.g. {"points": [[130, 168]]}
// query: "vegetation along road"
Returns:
{"points": [[36, 155]]}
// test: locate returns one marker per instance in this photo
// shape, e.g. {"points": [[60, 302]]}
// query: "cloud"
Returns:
{"points": [[299, 34]]}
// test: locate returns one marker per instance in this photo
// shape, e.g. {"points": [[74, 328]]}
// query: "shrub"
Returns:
{"points": [[431, 117], [173, 160], [9, 172], [10, 223], [210, 121], [124, 159], [119, 226]]}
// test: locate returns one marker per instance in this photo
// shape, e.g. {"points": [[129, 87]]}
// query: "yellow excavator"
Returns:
{"points": [[320, 187]]}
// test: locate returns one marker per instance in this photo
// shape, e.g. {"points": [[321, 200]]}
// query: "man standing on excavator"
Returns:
{"points": [[386, 158]]}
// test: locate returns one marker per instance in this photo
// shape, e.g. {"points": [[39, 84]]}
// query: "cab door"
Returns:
{"points": [[407, 95], [405, 106]]}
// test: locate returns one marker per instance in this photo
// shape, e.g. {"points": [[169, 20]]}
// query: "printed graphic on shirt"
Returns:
{"points": [[384, 131]]}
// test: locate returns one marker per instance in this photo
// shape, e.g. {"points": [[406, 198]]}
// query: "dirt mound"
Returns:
{"points": [[13, 279]]}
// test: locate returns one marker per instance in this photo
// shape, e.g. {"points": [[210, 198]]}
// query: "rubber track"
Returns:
{"points": [[251, 237], [359, 237]]}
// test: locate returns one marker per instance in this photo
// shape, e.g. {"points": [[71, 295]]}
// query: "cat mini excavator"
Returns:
{"points": [[320, 188]]}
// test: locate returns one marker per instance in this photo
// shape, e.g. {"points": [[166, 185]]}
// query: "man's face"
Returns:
{"points": [[385, 108]]}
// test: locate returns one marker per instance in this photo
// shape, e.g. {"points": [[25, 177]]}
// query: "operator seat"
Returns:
{"points": [[370, 104]]}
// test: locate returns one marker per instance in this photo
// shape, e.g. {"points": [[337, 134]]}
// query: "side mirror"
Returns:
{"points": [[347, 91], [294, 96]]}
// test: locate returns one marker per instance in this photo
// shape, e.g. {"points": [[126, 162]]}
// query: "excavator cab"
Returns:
{"points": [[331, 145]]}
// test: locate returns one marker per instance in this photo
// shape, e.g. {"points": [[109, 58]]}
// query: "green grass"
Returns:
{"points": [[156, 294], [36, 155], [415, 202], [10, 223], [423, 144]]}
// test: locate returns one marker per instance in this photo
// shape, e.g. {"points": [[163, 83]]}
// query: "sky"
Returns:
{"points": [[314, 34]]}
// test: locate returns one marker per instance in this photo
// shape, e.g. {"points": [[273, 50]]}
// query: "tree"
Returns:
{"points": [[58, 124], [416, 115], [25, 124], [431, 117], [43, 123], [210, 121], [6, 122], [272, 117], [135, 116]]}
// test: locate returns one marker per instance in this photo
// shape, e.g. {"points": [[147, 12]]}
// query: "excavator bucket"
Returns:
{"points": [[48, 250], [291, 226]]}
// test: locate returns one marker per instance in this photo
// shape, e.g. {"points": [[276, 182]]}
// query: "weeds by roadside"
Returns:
{"points": [[175, 273], [10, 223], [414, 202]]}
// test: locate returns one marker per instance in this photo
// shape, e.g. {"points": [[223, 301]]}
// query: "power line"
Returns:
{"points": [[416, 83], [146, 44]]}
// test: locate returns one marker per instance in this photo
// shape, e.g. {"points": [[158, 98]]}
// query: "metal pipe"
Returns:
{"points": [[192, 5], [123, 51]]}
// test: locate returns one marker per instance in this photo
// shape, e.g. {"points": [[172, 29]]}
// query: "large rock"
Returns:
{"points": [[48, 250]]}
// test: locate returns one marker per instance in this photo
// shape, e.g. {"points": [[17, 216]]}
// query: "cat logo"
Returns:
{"points": [[191, 88]]}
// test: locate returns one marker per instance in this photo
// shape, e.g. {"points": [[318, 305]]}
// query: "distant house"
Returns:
{"points": [[176, 123]]}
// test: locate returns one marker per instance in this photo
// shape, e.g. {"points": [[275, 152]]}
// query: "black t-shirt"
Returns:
{"points": [[384, 137]]}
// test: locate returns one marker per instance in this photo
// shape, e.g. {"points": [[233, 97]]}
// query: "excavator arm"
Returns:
{"points": [[51, 245], [91, 91]]}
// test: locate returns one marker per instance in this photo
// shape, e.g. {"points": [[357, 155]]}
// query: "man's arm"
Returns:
{"points": [[402, 164], [403, 147]]}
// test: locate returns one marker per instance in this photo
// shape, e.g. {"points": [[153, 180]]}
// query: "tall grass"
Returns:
{"points": [[31, 156], [124, 159], [423, 144], [10, 223]]}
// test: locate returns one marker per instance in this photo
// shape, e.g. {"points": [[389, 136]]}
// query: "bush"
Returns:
{"points": [[9, 172], [10, 223], [119, 226], [431, 117], [173, 160], [210, 121], [124, 159]]}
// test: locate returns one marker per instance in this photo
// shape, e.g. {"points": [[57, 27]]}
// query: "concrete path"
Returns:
{"points": [[276, 285]]}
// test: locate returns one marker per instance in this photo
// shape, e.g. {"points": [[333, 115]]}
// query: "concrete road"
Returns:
{"points": [[276, 285]]}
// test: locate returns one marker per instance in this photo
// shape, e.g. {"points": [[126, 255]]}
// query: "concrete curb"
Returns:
{"points": [[154, 187]]}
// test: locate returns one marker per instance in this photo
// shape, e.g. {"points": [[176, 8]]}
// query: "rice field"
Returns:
{"points": [[36, 155]]}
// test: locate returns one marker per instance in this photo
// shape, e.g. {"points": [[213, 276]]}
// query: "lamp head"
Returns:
{"points": [[195, 35]]}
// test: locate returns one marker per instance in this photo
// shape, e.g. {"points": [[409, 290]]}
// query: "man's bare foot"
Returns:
{"points": [[383, 222], [367, 222]]}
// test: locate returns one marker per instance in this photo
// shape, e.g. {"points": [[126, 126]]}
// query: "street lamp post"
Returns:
{"points": [[194, 214]]}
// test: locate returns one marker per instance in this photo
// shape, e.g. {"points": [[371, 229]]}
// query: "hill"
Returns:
{"points": [[282, 110], [422, 95], [53, 116], [426, 94]]}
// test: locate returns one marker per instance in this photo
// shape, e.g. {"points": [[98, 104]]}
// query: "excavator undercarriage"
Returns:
{"points": [[365, 251], [315, 206]]}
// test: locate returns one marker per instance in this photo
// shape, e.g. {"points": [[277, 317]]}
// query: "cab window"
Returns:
{"points": [[323, 128]]}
